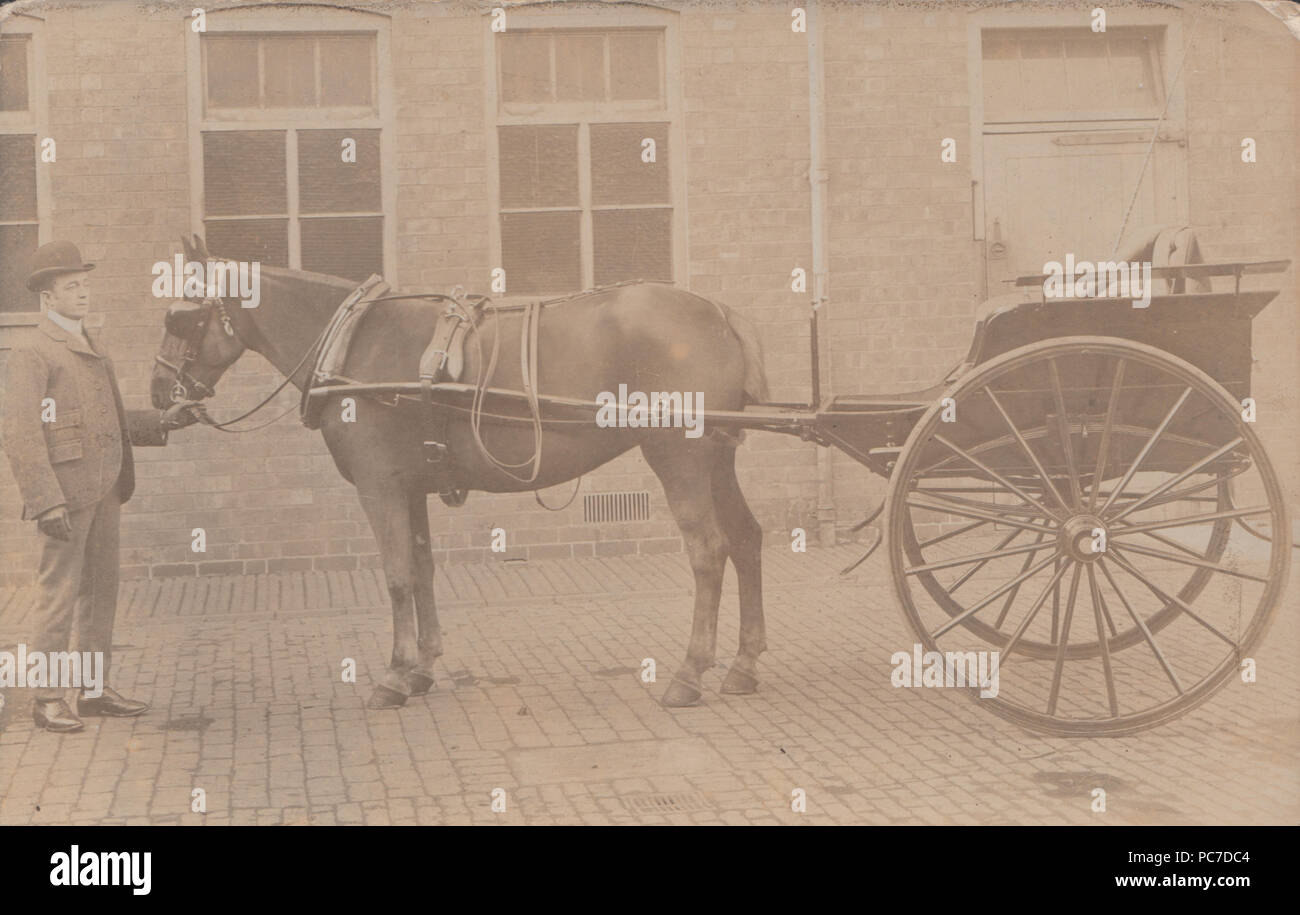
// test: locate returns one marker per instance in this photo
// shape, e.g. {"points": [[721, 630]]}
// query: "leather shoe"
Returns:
{"points": [[112, 705], [54, 715]]}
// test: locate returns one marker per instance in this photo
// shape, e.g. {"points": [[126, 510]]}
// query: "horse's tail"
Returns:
{"points": [[755, 385]]}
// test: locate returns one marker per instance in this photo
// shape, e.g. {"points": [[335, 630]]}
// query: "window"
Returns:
{"points": [[578, 203], [1071, 74], [290, 71], [554, 65], [20, 188], [291, 147]]}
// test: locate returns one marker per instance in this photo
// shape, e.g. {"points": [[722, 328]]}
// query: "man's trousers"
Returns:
{"points": [[77, 581]]}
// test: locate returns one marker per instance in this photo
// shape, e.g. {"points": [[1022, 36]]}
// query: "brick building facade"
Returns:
{"points": [[151, 141]]}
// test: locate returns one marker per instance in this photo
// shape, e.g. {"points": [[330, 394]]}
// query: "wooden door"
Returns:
{"points": [[1047, 195]]}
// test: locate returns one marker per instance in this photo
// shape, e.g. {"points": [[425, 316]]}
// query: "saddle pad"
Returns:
{"points": [[338, 339], [448, 340]]}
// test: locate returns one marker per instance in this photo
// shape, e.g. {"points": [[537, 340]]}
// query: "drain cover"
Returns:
{"points": [[188, 723], [681, 802]]}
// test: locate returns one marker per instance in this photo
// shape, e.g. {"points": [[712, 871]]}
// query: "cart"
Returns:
{"points": [[1084, 498]]}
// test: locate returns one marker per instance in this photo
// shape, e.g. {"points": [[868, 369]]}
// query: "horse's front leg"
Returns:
{"points": [[387, 508]]}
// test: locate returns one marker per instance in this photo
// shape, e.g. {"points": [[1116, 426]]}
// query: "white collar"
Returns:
{"points": [[71, 326]]}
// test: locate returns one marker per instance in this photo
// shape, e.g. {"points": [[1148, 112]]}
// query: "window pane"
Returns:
{"points": [[244, 173], [13, 74], [327, 184], [1085, 62], [232, 71], [346, 71], [540, 252], [1132, 69], [525, 66], [634, 65], [1042, 73], [539, 166], [17, 177], [632, 245], [1001, 75], [290, 71], [263, 240], [580, 68], [1027, 72], [352, 248], [17, 245], [618, 175]]}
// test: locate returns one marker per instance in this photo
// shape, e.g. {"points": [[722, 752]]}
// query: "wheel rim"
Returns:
{"points": [[1054, 450]]}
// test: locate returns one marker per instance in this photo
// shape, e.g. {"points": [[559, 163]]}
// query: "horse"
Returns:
{"points": [[649, 337]]}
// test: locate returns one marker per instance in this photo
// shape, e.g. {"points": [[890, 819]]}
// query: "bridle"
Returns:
{"points": [[185, 382]]}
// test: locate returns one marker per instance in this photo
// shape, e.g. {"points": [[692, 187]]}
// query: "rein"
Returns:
{"points": [[221, 427]]}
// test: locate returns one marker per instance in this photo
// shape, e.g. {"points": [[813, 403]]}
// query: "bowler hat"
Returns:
{"points": [[53, 259]]}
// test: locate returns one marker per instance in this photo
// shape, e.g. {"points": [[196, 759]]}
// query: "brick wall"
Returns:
{"points": [[904, 271], [750, 217], [903, 266], [1243, 80]]}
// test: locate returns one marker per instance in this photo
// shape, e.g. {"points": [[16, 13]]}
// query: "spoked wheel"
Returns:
{"points": [[1197, 578], [1068, 509]]}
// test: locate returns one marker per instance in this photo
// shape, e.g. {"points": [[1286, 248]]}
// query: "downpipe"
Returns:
{"points": [[818, 178]]}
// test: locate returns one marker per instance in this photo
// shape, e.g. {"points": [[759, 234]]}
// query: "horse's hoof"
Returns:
{"points": [[739, 683], [420, 683], [384, 697], [680, 694]]}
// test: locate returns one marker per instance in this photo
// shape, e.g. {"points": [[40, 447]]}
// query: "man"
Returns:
{"points": [[65, 432]]}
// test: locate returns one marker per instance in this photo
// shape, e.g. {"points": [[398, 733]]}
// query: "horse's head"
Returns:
{"points": [[199, 343]]}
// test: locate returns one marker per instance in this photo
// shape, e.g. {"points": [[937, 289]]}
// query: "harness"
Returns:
{"points": [[442, 360]]}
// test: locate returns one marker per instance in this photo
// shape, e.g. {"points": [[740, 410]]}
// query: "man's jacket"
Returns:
{"points": [[75, 459]]}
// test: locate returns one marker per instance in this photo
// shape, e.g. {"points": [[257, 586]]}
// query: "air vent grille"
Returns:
{"points": [[605, 507]]}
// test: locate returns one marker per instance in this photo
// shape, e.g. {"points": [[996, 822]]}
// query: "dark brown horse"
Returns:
{"points": [[648, 337]]}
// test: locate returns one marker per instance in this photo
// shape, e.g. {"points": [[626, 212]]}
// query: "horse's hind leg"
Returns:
{"points": [[745, 546], [426, 613], [685, 469], [388, 510]]}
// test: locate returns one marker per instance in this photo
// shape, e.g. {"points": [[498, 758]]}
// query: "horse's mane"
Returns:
{"points": [[336, 283]]}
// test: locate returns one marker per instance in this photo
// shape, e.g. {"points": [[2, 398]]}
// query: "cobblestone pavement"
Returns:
{"points": [[540, 695]]}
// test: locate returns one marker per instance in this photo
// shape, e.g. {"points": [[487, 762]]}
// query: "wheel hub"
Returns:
{"points": [[1080, 537]]}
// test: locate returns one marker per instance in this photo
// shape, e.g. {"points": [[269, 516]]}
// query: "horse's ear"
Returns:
{"points": [[188, 248], [201, 248]]}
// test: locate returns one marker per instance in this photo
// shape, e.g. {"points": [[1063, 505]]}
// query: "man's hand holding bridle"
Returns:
{"points": [[182, 414]]}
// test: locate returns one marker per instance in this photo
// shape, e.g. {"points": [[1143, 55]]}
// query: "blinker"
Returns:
{"points": [[181, 319]]}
